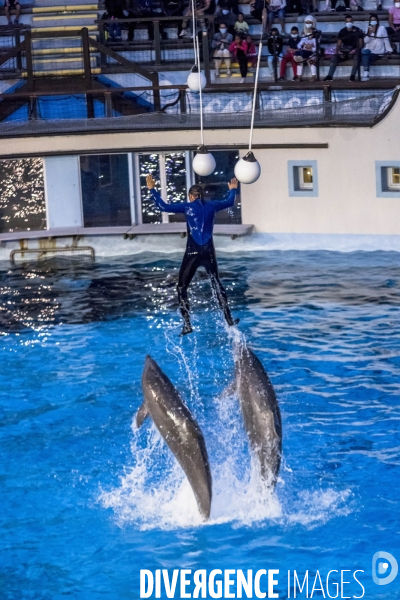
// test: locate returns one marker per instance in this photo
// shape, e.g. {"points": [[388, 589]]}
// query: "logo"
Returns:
{"points": [[381, 561]]}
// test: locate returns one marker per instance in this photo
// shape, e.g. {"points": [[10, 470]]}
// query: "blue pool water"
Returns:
{"points": [[87, 501]]}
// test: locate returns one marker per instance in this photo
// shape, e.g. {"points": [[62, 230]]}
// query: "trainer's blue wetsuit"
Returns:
{"points": [[200, 250]]}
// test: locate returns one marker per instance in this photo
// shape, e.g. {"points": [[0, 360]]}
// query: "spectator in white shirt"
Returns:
{"points": [[307, 51], [376, 43], [277, 9]]}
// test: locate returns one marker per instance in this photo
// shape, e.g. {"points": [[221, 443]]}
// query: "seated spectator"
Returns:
{"points": [[349, 44], [227, 17], [170, 8], [289, 55], [241, 26], [232, 5], [10, 5], [306, 52], [238, 48], [115, 11], [277, 11], [310, 26], [308, 6], [221, 42], [394, 21], [140, 9], [251, 51], [376, 43], [259, 11], [275, 45], [200, 6]]}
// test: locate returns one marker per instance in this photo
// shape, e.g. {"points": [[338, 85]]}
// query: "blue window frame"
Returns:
{"points": [[303, 181], [387, 179]]}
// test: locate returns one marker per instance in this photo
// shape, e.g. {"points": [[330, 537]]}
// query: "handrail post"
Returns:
{"points": [[87, 71], [157, 42], [318, 52], [17, 43], [156, 93], [108, 104], [206, 57], [182, 101], [32, 108], [102, 39], [28, 58]]}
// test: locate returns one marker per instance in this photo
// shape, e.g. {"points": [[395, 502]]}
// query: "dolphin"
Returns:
{"points": [[260, 409], [179, 429]]}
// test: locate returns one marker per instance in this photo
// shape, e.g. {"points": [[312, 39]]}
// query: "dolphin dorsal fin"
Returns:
{"points": [[142, 414]]}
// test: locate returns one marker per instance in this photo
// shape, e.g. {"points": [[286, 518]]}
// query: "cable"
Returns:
{"points": [[255, 90], [196, 49]]}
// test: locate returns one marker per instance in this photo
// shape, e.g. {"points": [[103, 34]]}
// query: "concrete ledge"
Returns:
{"points": [[148, 229]]}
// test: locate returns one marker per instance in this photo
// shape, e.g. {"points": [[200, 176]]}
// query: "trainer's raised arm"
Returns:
{"points": [[233, 184], [150, 181]]}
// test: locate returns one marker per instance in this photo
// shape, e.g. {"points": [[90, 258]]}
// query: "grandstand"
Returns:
{"points": [[68, 91]]}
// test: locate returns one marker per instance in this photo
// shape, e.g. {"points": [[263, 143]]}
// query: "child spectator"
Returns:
{"points": [[251, 52], [238, 48], [241, 26], [275, 45], [289, 56]]}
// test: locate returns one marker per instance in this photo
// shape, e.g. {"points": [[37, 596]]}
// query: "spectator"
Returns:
{"points": [[170, 8], [275, 45], [394, 20], [310, 25], [349, 43], [115, 11], [241, 26], [307, 51], [356, 5], [238, 48], [227, 17], [277, 11], [308, 6], [10, 5], [200, 6], [376, 42], [140, 9], [259, 11], [220, 44], [294, 40], [232, 5], [251, 52]]}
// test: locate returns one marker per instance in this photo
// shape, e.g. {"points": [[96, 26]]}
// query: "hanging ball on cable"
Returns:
{"points": [[203, 162], [196, 80], [247, 169]]}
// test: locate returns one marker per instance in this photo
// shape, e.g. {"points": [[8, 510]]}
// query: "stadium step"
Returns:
{"points": [[76, 21]]}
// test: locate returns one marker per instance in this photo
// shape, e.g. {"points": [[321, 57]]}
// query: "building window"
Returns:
{"points": [[105, 190], [174, 175], [387, 179], [22, 203], [303, 178], [215, 186]]}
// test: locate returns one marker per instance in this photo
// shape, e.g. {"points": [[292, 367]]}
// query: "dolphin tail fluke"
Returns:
{"points": [[142, 414]]}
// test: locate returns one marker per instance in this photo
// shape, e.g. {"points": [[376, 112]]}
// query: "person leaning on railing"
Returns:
{"points": [[349, 44], [376, 43]]}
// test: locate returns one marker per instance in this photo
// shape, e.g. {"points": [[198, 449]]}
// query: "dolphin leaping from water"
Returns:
{"points": [[177, 426], [260, 409]]}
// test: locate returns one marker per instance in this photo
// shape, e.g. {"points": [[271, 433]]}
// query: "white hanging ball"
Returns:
{"points": [[196, 81], [247, 169], [203, 162]]}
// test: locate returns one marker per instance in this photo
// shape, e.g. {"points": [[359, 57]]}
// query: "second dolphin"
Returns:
{"points": [[179, 429]]}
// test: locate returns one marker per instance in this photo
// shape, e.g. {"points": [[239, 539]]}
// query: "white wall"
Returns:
{"points": [[63, 191]]}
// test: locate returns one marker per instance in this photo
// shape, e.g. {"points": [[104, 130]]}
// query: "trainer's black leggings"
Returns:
{"points": [[200, 256]]}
